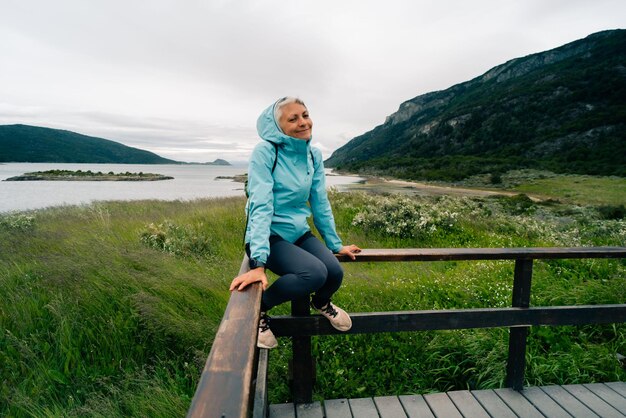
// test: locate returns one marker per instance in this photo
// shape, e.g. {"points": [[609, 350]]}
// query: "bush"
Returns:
{"points": [[495, 178], [403, 217], [519, 204], [177, 240], [18, 222], [611, 212]]}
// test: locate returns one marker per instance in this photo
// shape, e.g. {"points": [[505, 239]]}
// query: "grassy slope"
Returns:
{"points": [[580, 189], [567, 188], [94, 322]]}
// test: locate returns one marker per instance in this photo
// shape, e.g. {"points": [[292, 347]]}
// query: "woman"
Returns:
{"points": [[286, 184]]}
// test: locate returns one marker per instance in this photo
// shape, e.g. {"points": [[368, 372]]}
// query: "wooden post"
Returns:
{"points": [[302, 373], [516, 362]]}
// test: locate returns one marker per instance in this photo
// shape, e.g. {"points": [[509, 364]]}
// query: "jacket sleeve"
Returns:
{"points": [[260, 201], [320, 205]]}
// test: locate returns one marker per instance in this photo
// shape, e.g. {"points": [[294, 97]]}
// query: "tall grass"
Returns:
{"points": [[110, 309], [93, 322]]}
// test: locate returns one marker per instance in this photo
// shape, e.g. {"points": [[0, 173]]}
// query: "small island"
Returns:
{"points": [[239, 178], [79, 175]]}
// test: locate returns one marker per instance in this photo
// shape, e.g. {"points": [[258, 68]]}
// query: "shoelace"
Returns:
{"points": [[330, 310], [264, 323]]}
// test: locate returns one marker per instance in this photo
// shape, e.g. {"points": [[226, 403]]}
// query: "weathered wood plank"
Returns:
{"points": [[572, 405], [467, 404], [442, 406], [389, 407], [587, 400], [282, 410], [363, 408], [619, 387], [443, 254], [259, 408], [595, 403], [608, 395], [545, 404], [493, 404], [309, 410], [364, 323], [518, 403], [416, 406], [224, 389], [337, 408]]}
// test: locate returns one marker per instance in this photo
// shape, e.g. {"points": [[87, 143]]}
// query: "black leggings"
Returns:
{"points": [[304, 267]]}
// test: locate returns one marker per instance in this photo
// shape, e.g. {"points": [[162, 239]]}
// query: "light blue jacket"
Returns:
{"points": [[280, 203]]}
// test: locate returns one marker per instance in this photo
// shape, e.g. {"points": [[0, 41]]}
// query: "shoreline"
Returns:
{"points": [[376, 184]]}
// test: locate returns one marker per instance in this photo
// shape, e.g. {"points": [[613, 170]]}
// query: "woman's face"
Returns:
{"points": [[295, 121]]}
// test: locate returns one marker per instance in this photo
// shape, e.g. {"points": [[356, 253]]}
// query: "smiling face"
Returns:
{"points": [[294, 121]]}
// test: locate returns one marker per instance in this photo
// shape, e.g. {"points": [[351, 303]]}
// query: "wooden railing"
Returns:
{"points": [[227, 382], [231, 379]]}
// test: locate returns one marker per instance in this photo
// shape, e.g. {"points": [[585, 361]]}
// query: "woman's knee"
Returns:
{"points": [[335, 273], [314, 275]]}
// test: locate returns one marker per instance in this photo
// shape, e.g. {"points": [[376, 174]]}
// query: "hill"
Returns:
{"points": [[562, 110], [24, 143]]}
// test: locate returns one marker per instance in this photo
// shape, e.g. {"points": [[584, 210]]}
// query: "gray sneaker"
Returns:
{"points": [[338, 318], [265, 338]]}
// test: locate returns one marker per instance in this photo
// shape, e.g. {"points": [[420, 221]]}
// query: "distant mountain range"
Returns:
{"points": [[562, 110], [24, 143]]}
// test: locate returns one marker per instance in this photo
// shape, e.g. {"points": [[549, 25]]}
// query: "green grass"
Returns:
{"points": [[109, 310], [95, 323], [566, 188], [591, 190]]}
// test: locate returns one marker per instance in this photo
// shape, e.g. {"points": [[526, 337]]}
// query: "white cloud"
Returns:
{"points": [[188, 79]]}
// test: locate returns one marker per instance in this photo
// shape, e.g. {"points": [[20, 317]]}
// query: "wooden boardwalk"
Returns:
{"points": [[584, 401]]}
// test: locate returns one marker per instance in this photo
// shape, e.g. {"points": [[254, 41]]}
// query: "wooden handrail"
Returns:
{"points": [[227, 381], [444, 254], [225, 387], [519, 317]]}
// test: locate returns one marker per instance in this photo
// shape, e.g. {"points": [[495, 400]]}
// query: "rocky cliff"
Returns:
{"points": [[562, 110]]}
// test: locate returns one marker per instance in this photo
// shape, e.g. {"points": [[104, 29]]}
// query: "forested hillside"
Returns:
{"points": [[562, 110], [24, 143]]}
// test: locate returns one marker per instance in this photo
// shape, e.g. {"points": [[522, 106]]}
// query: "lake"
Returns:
{"points": [[190, 182]]}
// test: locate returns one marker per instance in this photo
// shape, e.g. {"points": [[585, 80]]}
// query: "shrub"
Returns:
{"points": [[495, 178], [18, 222], [403, 217], [519, 204], [611, 212], [177, 240]]}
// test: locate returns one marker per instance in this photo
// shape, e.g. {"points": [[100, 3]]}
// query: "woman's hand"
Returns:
{"points": [[253, 276], [350, 251]]}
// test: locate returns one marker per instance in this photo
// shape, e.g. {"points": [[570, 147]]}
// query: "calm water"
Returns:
{"points": [[190, 182]]}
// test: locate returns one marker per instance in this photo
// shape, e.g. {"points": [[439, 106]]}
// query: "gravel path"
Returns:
{"points": [[424, 189]]}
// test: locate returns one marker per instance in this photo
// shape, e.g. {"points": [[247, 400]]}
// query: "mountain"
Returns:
{"points": [[219, 161], [24, 143], [562, 110]]}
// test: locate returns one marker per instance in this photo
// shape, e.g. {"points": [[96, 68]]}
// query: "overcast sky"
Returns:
{"points": [[187, 79]]}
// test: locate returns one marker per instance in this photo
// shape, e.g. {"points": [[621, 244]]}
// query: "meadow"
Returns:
{"points": [[110, 309]]}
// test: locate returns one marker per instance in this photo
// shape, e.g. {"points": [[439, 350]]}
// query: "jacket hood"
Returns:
{"points": [[268, 129]]}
